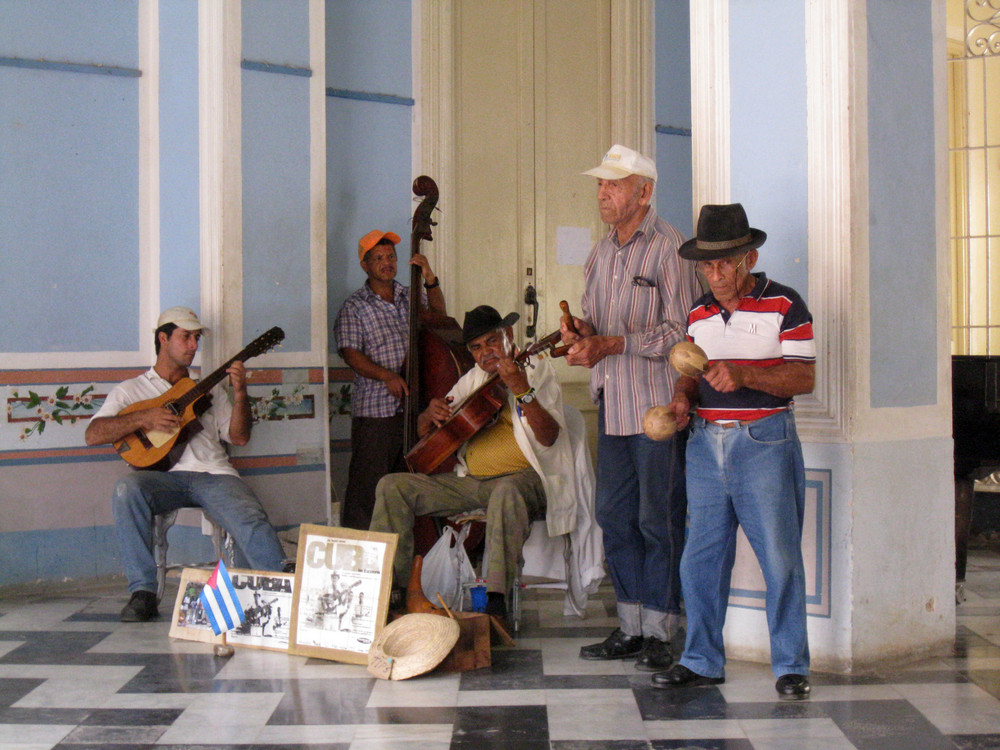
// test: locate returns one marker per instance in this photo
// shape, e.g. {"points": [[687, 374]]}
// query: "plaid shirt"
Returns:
{"points": [[642, 291], [378, 329]]}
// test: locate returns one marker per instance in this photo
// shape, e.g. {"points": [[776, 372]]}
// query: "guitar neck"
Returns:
{"points": [[209, 382]]}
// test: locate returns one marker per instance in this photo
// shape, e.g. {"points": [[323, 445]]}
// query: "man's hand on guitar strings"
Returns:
{"points": [[160, 419], [439, 410], [512, 375]]}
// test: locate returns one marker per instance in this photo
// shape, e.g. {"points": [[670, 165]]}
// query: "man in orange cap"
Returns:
{"points": [[371, 331]]}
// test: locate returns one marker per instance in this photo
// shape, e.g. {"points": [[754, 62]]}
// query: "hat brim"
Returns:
{"points": [[412, 645], [690, 250], [610, 173], [475, 333]]}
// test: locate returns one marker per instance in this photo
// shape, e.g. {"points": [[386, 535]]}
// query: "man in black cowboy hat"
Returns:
{"points": [[744, 460], [514, 467]]}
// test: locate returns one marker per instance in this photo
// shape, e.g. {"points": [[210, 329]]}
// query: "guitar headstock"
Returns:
{"points": [[267, 340]]}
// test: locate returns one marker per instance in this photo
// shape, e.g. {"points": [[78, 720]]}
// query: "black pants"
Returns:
{"points": [[376, 450]]}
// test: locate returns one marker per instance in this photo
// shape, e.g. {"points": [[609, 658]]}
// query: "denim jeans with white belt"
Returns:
{"points": [[750, 474]]}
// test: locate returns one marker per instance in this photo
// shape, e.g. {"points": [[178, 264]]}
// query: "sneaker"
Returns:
{"points": [[140, 608]]}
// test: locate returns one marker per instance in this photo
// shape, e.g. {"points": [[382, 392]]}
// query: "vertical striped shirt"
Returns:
{"points": [[641, 290]]}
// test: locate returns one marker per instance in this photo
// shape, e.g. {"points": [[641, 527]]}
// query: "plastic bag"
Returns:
{"points": [[447, 567]]}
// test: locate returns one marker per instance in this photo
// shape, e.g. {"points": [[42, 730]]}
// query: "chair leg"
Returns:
{"points": [[222, 542], [516, 593], [161, 525]]}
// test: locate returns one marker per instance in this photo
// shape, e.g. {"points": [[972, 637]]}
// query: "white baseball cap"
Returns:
{"points": [[620, 162], [184, 317]]}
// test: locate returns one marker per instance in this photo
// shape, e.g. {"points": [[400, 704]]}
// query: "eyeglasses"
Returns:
{"points": [[720, 266]]}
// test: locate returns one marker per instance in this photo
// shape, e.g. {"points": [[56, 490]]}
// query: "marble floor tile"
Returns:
{"points": [[223, 718], [14, 735], [428, 690], [955, 708], [594, 715]]}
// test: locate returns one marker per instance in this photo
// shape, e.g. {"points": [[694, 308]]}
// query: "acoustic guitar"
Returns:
{"points": [[188, 400]]}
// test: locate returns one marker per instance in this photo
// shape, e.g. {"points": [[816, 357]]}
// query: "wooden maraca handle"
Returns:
{"points": [[567, 318]]}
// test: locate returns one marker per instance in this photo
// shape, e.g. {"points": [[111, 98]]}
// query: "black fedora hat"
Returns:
{"points": [[722, 231], [484, 319]]}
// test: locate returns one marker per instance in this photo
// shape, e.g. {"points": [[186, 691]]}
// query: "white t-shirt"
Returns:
{"points": [[204, 450]]}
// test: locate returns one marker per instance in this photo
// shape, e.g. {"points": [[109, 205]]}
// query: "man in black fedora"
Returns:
{"points": [[744, 460], [515, 467]]}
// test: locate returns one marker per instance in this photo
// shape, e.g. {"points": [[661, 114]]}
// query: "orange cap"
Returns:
{"points": [[374, 237]]}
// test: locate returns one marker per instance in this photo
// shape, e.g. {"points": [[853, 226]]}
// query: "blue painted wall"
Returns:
{"points": [[768, 126], [673, 113], [369, 173], [69, 222], [276, 215], [180, 223], [902, 206]]}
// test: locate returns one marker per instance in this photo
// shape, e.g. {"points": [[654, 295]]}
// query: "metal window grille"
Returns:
{"points": [[974, 154]]}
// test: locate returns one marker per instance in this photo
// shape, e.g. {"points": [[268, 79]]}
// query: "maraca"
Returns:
{"points": [[688, 359], [659, 423]]}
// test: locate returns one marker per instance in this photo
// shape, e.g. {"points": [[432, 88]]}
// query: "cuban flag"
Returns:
{"points": [[219, 600]]}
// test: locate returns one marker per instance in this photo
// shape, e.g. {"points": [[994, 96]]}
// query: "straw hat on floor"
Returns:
{"points": [[412, 645]]}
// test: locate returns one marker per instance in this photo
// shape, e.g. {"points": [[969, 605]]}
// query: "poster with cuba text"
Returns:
{"points": [[266, 600], [343, 580]]}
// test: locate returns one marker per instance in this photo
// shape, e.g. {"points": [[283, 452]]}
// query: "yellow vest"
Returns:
{"points": [[493, 450]]}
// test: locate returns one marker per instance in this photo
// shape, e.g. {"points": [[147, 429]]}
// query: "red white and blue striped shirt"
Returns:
{"points": [[770, 326], [642, 291]]}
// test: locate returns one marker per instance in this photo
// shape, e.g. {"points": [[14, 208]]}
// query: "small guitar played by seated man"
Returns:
{"points": [[201, 477], [518, 467]]}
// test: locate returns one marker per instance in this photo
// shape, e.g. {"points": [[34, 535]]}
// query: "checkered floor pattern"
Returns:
{"points": [[72, 676]]}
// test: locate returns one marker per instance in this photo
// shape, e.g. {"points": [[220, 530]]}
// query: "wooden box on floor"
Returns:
{"points": [[473, 648]]}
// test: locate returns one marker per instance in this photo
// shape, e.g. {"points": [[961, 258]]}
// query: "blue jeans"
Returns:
{"points": [[640, 507], [751, 475], [143, 494]]}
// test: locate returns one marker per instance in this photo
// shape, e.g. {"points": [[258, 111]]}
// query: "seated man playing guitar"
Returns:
{"points": [[202, 477], [518, 467]]}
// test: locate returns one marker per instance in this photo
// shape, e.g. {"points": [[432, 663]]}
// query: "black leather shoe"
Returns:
{"points": [[615, 646], [680, 676], [140, 608], [793, 687], [655, 655]]}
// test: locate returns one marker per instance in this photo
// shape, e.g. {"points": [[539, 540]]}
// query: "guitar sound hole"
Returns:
{"points": [[143, 439]]}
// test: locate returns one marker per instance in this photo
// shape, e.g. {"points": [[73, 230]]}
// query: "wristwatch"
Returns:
{"points": [[527, 397]]}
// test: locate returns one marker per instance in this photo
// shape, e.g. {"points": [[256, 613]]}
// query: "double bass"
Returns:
{"points": [[436, 357]]}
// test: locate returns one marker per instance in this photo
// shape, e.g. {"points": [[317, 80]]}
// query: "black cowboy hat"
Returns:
{"points": [[484, 319], [722, 231]]}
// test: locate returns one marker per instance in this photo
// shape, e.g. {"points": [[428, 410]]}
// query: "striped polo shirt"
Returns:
{"points": [[770, 326]]}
